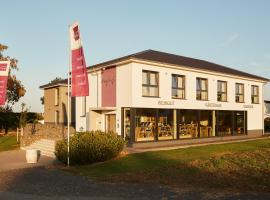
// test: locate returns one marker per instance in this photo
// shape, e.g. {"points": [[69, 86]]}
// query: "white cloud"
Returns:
{"points": [[230, 40]]}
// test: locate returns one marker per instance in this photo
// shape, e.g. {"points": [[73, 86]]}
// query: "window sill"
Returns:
{"points": [[151, 96], [255, 103], [202, 99], [223, 101], [239, 102], [179, 98]]}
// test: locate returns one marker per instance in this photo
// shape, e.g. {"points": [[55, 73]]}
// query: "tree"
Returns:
{"points": [[56, 80], [15, 89], [42, 100]]}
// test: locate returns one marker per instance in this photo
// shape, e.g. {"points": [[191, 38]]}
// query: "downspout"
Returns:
{"points": [[263, 109]]}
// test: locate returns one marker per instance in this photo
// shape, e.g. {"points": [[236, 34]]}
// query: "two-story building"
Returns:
{"points": [[159, 98], [55, 103]]}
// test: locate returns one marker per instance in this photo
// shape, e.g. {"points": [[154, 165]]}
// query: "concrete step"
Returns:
{"points": [[45, 146]]}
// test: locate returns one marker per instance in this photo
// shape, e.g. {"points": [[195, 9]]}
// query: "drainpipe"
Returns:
{"points": [[263, 109]]}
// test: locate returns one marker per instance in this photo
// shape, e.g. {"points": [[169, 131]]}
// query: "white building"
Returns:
{"points": [[151, 96]]}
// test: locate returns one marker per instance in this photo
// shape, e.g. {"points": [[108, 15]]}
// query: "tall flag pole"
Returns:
{"points": [[79, 75], [4, 70]]}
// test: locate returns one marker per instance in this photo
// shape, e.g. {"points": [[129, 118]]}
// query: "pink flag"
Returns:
{"points": [[4, 69], [79, 73]]}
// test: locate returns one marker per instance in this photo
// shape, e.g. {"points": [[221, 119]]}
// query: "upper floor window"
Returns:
{"points": [[178, 86], [150, 84], [239, 93], [221, 90], [254, 94], [83, 106], [202, 89], [56, 96]]}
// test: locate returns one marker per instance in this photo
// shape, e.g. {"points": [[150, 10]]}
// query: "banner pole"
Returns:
{"points": [[69, 71]]}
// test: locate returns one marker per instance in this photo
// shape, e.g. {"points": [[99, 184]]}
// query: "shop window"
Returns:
{"points": [[166, 121], [202, 89], [150, 84], [127, 123], [254, 94], [222, 91], [206, 128], [178, 86], [224, 123], [188, 124], [240, 124], [239, 93], [145, 124]]}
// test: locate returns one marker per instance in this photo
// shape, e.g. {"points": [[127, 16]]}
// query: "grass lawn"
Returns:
{"points": [[240, 166], [8, 142]]}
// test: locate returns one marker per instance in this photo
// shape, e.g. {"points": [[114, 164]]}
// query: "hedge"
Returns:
{"points": [[89, 147]]}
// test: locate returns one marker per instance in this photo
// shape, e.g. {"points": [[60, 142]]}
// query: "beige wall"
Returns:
{"points": [[50, 108]]}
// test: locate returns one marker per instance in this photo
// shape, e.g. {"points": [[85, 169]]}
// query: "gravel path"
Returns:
{"points": [[50, 183]]}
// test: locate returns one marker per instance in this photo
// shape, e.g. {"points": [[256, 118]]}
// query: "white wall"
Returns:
{"points": [[92, 101], [254, 114], [129, 93]]}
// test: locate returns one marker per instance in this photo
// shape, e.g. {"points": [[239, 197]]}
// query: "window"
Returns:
{"points": [[145, 124], [239, 93], [202, 89], [150, 84], [83, 106], [239, 122], [56, 117], [166, 124], [254, 94], [188, 123], [178, 86], [222, 91], [56, 96]]}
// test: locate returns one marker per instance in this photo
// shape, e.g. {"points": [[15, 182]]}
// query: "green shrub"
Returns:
{"points": [[89, 147]]}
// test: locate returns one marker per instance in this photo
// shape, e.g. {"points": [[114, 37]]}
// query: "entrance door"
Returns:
{"points": [[110, 123]]}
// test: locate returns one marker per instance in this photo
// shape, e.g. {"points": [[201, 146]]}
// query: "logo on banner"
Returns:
{"points": [[76, 33]]}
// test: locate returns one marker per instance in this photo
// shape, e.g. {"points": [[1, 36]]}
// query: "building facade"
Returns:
{"points": [[55, 103], [153, 96]]}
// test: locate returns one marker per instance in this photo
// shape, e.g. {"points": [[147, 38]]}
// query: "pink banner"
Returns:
{"points": [[3, 89], [79, 74]]}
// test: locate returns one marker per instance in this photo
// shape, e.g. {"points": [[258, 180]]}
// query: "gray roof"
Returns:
{"points": [[167, 58]]}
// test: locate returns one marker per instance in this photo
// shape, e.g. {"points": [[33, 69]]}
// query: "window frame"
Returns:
{"points": [[179, 88], [148, 74], [240, 94], [197, 91], [56, 96], [252, 95], [221, 92]]}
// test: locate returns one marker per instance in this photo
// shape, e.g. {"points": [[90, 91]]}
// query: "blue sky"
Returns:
{"points": [[231, 33]]}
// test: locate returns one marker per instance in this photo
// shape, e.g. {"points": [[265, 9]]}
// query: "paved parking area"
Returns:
{"points": [[16, 160]]}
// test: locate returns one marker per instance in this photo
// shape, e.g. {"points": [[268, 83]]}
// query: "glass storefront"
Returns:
{"points": [[239, 121], [206, 125], [146, 124], [188, 123], [224, 123], [127, 123], [166, 124]]}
